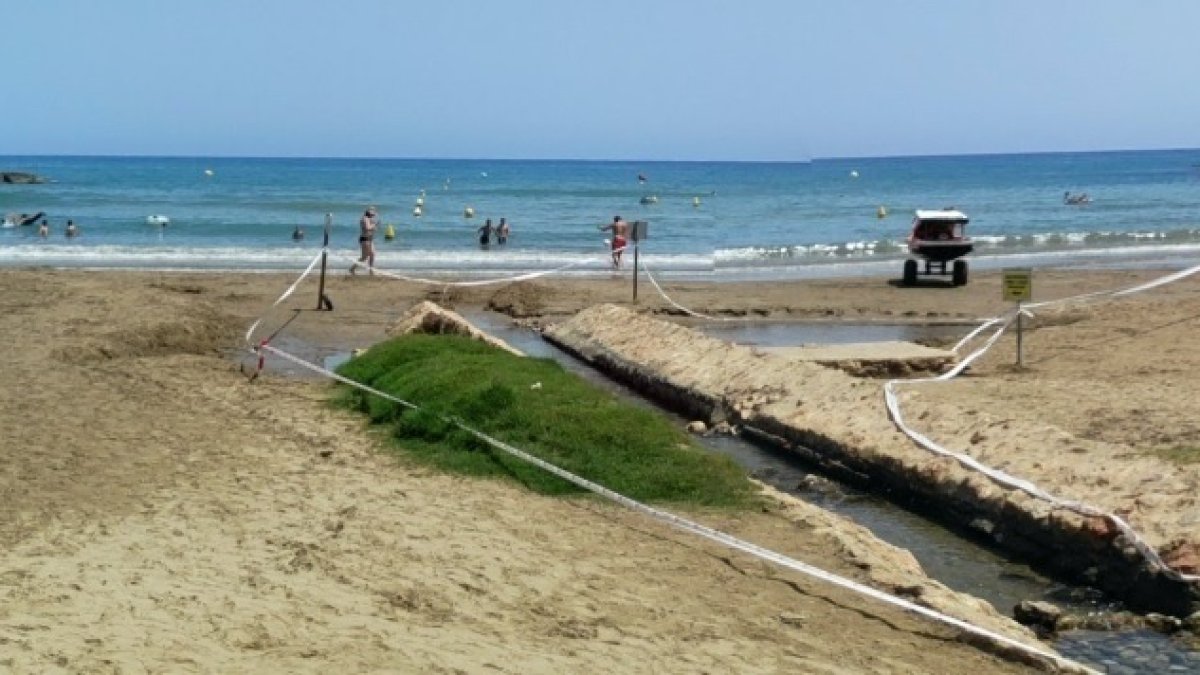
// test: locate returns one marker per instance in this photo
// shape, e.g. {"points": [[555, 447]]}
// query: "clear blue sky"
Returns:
{"points": [[602, 79]]}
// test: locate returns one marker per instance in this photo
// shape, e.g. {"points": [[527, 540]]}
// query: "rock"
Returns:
{"points": [[983, 525], [697, 427], [1182, 557], [1037, 613], [792, 619], [1192, 623], [20, 177], [723, 428], [428, 317], [1163, 623]]}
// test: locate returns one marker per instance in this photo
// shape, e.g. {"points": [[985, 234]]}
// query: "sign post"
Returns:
{"points": [[639, 232], [323, 301], [1017, 285]]}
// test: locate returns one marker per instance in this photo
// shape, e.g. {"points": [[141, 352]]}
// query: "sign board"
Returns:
{"points": [[1017, 283], [640, 230]]}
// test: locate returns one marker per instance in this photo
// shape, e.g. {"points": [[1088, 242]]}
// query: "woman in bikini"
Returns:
{"points": [[366, 240]]}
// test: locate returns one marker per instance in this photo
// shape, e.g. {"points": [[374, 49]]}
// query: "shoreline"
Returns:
{"points": [[469, 263]]}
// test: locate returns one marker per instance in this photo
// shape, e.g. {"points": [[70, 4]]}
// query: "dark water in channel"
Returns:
{"points": [[955, 559]]}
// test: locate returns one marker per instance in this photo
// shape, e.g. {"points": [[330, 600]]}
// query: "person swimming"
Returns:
{"points": [[297, 234]]}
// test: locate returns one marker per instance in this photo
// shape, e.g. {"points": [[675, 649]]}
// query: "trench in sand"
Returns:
{"points": [[958, 559]]}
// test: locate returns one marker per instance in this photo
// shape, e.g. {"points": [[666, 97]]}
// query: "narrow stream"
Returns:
{"points": [[955, 559]]}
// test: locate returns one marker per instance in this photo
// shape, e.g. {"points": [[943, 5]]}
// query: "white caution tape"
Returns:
{"points": [[284, 296], [708, 532], [893, 406], [680, 307], [478, 282]]}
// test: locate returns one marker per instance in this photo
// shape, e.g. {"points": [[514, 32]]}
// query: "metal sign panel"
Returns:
{"points": [[1017, 283], [640, 230]]}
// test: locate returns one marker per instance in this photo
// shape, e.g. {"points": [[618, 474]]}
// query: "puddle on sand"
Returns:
{"points": [[776, 334]]}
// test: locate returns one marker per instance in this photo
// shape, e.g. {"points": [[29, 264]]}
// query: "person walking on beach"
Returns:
{"points": [[502, 231], [71, 230], [620, 230], [366, 240], [485, 232]]}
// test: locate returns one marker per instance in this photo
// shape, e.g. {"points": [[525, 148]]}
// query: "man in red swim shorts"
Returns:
{"points": [[620, 230]]}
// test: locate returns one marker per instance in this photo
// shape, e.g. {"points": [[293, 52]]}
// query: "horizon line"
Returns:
{"points": [[807, 160]]}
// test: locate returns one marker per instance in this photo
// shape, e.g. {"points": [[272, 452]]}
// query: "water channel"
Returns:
{"points": [[957, 559], [960, 560]]}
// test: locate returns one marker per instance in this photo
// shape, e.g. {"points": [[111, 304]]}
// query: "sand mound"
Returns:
{"points": [[519, 300], [202, 331], [427, 317]]}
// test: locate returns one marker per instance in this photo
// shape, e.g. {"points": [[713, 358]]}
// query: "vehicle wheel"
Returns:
{"points": [[960, 272], [910, 272]]}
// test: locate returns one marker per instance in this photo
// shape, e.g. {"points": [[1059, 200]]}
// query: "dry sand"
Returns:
{"points": [[163, 515]]}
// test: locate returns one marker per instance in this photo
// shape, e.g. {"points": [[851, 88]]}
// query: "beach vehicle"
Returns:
{"points": [[938, 239]]}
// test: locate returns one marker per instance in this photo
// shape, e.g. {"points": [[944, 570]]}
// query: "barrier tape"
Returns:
{"points": [[287, 293], [478, 282], [893, 405], [704, 531], [680, 307]]}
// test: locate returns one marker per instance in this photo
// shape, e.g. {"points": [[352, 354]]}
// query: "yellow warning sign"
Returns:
{"points": [[1017, 283]]}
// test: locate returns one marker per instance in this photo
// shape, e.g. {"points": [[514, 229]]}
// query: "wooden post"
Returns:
{"points": [[635, 269], [1019, 313], [639, 231], [323, 301]]}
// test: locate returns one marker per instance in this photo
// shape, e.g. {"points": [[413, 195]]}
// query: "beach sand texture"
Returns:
{"points": [[163, 514]]}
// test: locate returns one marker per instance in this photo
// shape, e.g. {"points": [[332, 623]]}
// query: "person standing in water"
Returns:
{"points": [[366, 240], [502, 231], [485, 232], [71, 230], [620, 230]]}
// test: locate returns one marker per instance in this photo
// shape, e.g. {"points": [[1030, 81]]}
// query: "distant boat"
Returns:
{"points": [[158, 219], [1076, 200], [649, 199]]}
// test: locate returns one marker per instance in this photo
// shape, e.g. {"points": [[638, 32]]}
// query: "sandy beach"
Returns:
{"points": [[166, 515]]}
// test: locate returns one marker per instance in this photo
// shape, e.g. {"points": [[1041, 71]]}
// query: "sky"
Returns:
{"points": [[754, 80]]}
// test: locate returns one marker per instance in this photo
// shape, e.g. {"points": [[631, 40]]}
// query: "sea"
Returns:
{"points": [[719, 220]]}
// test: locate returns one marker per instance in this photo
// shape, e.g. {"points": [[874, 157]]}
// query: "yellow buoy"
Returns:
{"points": [[882, 212], [695, 201], [390, 232]]}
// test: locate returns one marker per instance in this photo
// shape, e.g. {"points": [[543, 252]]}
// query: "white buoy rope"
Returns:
{"points": [[706, 532]]}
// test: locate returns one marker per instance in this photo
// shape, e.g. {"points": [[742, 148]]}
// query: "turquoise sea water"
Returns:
{"points": [[816, 218]]}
